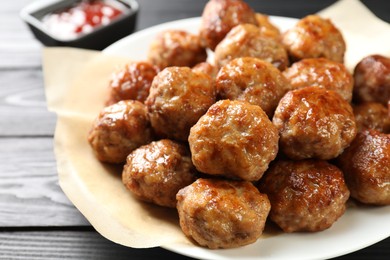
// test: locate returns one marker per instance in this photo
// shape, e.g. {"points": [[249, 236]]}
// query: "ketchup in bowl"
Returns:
{"points": [[82, 17]]}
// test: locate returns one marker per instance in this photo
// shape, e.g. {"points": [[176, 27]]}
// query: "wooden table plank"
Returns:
{"points": [[29, 191]]}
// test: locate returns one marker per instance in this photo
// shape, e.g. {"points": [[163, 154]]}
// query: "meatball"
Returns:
{"points": [[372, 115], [322, 73], [307, 195], [132, 82], [220, 16], [119, 129], [206, 68], [245, 40], [157, 171], [176, 48], [267, 29], [315, 37], [314, 123], [221, 213], [372, 79], [366, 167], [178, 98], [252, 80], [234, 139]]}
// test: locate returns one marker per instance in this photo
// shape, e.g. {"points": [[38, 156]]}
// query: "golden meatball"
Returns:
{"points": [[267, 29], [322, 73], [178, 98], [220, 16], [234, 139], [307, 195], [314, 123], [252, 80], [372, 79], [176, 48], [119, 129], [132, 82], [372, 115], [206, 68], [245, 40], [221, 213], [366, 167], [315, 37], [157, 171]]}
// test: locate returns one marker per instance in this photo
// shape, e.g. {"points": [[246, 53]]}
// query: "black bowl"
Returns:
{"points": [[99, 38]]}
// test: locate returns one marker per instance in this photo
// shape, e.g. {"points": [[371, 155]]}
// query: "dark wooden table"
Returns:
{"points": [[37, 221]]}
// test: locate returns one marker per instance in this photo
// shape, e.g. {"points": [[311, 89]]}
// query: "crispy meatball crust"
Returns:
{"points": [[372, 115], [157, 171], [234, 139], [314, 37], [307, 195], [178, 98], [322, 73], [252, 80], [267, 28], [176, 48], [372, 79], [245, 40], [314, 123], [366, 167], [221, 213], [133, 81], [220, 16], [119, 129]]}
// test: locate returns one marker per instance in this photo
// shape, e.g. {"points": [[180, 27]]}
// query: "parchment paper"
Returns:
{"points": [[76, 88]]}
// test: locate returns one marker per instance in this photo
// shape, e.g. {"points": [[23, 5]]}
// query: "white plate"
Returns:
{"points": [[358, 228]]}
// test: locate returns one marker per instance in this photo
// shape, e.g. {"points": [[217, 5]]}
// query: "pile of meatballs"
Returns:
{"points": [[271, 127]]}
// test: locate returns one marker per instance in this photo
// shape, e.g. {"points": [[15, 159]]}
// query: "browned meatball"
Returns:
{"points": [[245, 40], [119, 129], [307, 195], [322, 73], [178, 98], [252, 80], [221, 213], [157, 171], [314, 123], [220, 16], [206, 68], [366, 167], [234, 139], [315, 37], [372, 79], [133, 81], [176, 48], [372, 115], [267, 29]]}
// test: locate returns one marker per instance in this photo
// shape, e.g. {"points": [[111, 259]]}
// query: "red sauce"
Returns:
{"points": [[82, 17]]}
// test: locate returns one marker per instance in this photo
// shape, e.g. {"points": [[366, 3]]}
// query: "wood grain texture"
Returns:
{"points": [[29, 190]]}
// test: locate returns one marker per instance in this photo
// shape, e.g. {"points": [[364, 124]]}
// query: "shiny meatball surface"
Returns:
{"points": [[245, 40], [322, 73], [221, 213], [220, 16], [314, 123], [176, 48], [315, 37], [366, 167], [267, 28], [178, 98], [372, 79], [119, 129], [157, 171], [372, 115], [307, 195], [252, 80], [132, 82], [206, 68], [234, 139]]}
